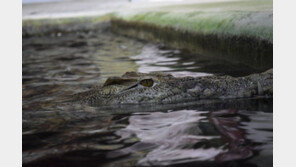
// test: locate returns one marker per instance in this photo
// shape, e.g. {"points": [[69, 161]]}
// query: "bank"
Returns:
{"points": [[240, 31]]}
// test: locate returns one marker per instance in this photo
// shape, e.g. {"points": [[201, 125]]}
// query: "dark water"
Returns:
{"points": [[203, 133]]}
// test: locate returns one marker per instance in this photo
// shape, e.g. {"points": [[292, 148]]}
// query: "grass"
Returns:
{"points": [[238, 5], [252, 18]]}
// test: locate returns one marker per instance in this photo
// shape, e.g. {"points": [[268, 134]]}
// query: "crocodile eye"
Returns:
{"points": [[147, 82]]}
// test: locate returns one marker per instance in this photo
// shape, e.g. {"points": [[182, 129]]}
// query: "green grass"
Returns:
{"points": [[237, 5], [252, 18]]}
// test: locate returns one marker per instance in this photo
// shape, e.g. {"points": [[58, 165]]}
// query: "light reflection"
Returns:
{"points": [[184, 136], [154, 59], [170, 137]]}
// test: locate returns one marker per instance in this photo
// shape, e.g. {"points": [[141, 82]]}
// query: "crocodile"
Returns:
{"points": [[159, 88]]}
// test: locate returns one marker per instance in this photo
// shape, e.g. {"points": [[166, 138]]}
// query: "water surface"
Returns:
{"points": [[202, 133]]}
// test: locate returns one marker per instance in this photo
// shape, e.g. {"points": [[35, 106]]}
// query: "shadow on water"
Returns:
{"points": [[202, 133]]}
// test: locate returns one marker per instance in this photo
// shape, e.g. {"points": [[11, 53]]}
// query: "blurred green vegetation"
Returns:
{"points": [[252, 18]]}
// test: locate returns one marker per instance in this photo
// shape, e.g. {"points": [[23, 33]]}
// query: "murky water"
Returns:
{"points": [[203, 133]]}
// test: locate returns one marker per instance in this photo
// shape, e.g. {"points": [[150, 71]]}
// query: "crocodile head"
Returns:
{"points": [[133, 87]]}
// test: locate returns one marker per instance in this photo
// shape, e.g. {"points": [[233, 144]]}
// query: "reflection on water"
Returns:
{"points": [[189, 135], [180, 63], [207, 133], [172, 135], [169, 137], [154, 59]]}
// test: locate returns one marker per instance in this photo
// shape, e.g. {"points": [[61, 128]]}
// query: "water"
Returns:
{"points": [[204, 133]]}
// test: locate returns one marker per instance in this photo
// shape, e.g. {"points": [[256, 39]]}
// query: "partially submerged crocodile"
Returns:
{"points": [[133, 87]]}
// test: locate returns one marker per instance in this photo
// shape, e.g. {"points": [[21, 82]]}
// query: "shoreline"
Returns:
{"points": [[238, 31], [256, 53]]}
